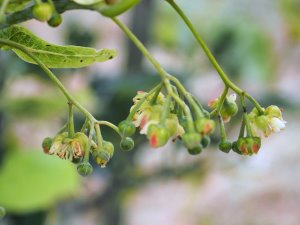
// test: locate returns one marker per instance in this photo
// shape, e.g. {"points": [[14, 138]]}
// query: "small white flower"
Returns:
{"points": [[277, 124]]}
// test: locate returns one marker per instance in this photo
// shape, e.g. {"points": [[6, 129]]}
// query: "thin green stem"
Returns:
{"points": [[220, 102], [222, 128], [99, 136], [166, 110], [212, 59], [71, 121], [160, 70], [51, 76], [2, 10], [110, 125], [188, 96], [141, 47]]}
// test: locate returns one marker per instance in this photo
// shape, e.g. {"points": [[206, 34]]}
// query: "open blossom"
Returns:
{"points": [[229, 107], [269, 122], [150, 113]]}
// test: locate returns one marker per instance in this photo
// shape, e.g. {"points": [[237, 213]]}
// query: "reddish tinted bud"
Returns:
{"points": [[158, 135], [205, 126]]}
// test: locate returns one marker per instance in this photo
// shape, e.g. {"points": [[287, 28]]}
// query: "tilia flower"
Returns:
{"points": [[269, 122]]}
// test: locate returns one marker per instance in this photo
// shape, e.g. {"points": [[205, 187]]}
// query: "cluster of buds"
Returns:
{"points": [[256, 124], [162, 119], [65, 147]]}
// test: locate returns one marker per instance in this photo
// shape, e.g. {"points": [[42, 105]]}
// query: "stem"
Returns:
{"points": [[212, 59], [141, 47], [166, 110], [51, 76], [220, 102], [188, 96], [164, 76], [2, 10], [71, 121], [222, 128], [99, 136], [87, 152], [108, 124]]}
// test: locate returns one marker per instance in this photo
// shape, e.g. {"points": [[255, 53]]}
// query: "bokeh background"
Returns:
{"points": [[258, 44]]}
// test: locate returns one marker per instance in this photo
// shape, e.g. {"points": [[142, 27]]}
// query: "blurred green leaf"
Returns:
{"points": [[33, 181], [16, 5]]}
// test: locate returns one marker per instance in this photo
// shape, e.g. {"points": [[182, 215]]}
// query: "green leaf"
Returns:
{"points": [[53, 56], [33, 181]]}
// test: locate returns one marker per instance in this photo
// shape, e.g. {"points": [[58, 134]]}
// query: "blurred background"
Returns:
{"points": [[258, 45]]}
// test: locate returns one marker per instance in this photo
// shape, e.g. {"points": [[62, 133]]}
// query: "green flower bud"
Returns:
{"points": [[2, 212], [127, 128], [191, 140], [225, 146], [229, 108], [84, 169], [158, 135], [205, 141], [101, 158], [47, 143], [273, 111], [127, 144], [196, 150], [205, 126], [249, 145], [235, 148], [42, 12], [55, 20]]}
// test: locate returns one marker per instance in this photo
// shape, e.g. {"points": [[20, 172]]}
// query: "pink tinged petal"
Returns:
{"points": [[277, 124]]}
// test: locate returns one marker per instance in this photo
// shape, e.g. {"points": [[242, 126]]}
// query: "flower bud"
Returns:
{"points": [[229, 108], [235, 148], [127, 144], [205, 141], [249, 145], [191, 140], [101, 158], [273, 111], [225, 146], [205, 126], [42, 12], [126, 128], [158, 135], [47, 142], [55, 20], [196, 150], [84, 168]]}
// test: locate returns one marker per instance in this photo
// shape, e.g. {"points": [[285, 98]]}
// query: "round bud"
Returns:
{"points": [[2, 212], [225, 146], [84, 169], [273, 111], [127, 144], [205, 126], [196, 150], [229, 108], [126, 128], [235, 148], [158, 135], [42, 12], [47, 143], [191, 140], [55, 20], [205, 141]]}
